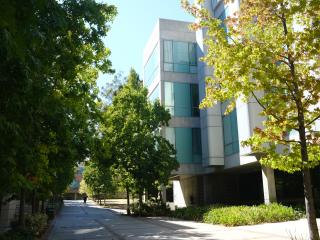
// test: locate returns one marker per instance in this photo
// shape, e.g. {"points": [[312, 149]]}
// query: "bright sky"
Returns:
{"points": [[133, 26]]}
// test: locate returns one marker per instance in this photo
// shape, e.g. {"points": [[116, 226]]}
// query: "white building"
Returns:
{"points": [[214, 167]]}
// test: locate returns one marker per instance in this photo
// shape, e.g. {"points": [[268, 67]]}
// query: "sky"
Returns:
{"points": [[131, 29]]}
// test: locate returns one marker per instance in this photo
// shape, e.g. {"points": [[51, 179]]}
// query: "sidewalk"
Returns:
{"points": [[90, 221]]}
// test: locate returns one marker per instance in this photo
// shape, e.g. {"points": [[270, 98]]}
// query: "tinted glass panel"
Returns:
{"points": [[155, 94], [183, 68], [168, 67], [230, 131], [152, 66], [182, 100], [181, 54], [169, 97], [167, 52], [194, 100], [184, 145]]}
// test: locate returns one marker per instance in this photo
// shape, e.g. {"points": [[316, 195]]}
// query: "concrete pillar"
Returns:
{"points": [[178, 196], [163, 193], [269, 185]]}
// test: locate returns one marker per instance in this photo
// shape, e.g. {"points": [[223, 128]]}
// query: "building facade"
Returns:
{"points": [[214, 167]]}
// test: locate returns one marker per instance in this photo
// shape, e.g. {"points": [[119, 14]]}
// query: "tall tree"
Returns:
{"points": [[51, 53], [270, 53], [143, 158]]}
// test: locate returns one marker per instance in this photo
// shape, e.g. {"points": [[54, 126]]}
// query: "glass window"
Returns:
{"points": [[184, 144], [168, 67], [192, 54], [152, 67], [213, 3], [155, 94], [181, 99], [196, 145], [187, 142], [167, 46], [223, 17], [169, 97], [180, 53], [179, 57], [194, 89], [230, 131], [170, 135]]}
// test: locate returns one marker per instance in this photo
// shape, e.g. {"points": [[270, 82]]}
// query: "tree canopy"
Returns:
{"points": [[51, 54], [143, 158], [269, 53]]}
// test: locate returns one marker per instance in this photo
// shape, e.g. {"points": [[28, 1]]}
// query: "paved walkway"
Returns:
{"points": [[79, 221]]}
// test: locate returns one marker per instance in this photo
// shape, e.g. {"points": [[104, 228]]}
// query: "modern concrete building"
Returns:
{"points": [[214, 167]]}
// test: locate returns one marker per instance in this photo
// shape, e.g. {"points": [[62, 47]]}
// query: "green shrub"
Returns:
{"points": [[150, 209], [190, 213], [36, 223], [249, 215]]}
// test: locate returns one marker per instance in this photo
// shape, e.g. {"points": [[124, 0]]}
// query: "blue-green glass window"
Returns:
{"points": [[155, 94], [230, 131], [187, 142], [152, 67], [223, 16], [196, 145], [179, 57], [181, 99]]}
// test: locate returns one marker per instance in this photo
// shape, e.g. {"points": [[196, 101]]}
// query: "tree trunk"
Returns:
{"points": [[33, 202], [310, 207], [307, 183], [42, 206], [21, 209], [128, 201], [1, 199]]}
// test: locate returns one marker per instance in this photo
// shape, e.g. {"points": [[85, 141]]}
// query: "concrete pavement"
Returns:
{"points": [[79, 221]]}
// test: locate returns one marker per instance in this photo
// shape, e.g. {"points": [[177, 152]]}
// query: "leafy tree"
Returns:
{"points": [[270, 53], [98, 179], [143, 159], [51, 53]]}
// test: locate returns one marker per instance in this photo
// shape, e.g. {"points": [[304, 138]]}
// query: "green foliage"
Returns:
{"points": [[150, 209], [98, 179], [250, 215], [274, 61], [143, 160], [269, 55], [36, 224], [51, 53], [190, 213], [34, 228]]}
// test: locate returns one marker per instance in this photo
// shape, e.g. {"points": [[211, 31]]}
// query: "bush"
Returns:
{"points": [[249, 215], [36, 223], [150, 209], [190, 213], [35, 226]]}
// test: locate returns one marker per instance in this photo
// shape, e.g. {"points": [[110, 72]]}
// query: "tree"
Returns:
{"points": [[270, 53], [142, 158], [51, 53], [98, 179]]}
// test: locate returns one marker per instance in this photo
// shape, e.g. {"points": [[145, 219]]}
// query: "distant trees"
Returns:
{"points": [[51, 52]]}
